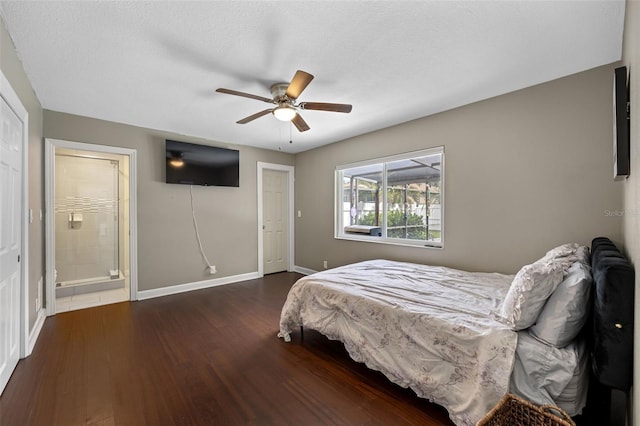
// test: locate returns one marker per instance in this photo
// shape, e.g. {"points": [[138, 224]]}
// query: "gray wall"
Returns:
{"points": [[168, 251], [631, 58], [13, 71], [523, 172]]}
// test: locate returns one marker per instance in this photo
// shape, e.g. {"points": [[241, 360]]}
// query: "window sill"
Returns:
{"points": [[388, 241]]}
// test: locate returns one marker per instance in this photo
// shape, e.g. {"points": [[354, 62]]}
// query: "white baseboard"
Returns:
{"points": [[35, 331], [303, 271], [182, 288]]}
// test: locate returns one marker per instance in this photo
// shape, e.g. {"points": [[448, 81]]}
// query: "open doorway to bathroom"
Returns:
{"points": [[89, 225]]}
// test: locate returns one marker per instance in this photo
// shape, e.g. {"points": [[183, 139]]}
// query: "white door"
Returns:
{"points": [[275, 220], [10, 239]]}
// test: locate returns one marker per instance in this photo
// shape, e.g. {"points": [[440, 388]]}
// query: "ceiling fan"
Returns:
{"points": [[284, 96]]}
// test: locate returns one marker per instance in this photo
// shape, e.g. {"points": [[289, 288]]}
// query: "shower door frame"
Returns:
{"points": [[50, 152]]}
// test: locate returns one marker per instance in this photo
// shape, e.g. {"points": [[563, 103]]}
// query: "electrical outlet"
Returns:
{"points": [[212, 270], [325, 264], [37, 304]]}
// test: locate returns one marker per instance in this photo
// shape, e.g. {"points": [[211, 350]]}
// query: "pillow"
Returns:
{"points": [[563, 250], [584, 255], [567, 309], [567, 254], [529, 291]]}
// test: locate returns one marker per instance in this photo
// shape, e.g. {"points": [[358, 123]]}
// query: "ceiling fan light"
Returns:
{"points": [[284, 113]]}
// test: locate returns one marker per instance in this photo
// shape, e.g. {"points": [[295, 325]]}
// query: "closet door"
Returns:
{"points": [[10, 239], [275, 221]]}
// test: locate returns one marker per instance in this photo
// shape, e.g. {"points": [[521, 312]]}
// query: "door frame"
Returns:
{"points": [[50, 245], [12, 99], [290, 209]]}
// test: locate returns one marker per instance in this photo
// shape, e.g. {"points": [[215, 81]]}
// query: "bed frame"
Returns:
{"points": [[610, 333]]}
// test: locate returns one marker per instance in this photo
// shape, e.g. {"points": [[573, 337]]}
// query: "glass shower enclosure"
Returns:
{"points": [[91, 225]]}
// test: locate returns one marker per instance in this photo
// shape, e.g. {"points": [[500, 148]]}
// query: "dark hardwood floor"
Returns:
{"points": [[208, 357]]}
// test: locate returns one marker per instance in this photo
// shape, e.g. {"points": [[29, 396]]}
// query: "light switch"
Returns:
{"points": [[299, 213]]}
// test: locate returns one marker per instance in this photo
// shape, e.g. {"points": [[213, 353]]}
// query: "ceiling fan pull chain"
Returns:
{"points": [[290, 136]]}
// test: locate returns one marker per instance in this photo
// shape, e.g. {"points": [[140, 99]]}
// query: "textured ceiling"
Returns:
{"points": [[156, 64]]}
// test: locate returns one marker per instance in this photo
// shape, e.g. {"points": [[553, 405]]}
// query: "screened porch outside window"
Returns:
{"points": [[394, 199]]}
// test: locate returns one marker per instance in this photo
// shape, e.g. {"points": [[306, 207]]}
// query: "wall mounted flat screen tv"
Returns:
{"points": [[621, 124], [193, 164]]}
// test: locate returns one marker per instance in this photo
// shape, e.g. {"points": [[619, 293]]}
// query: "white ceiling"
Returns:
{"points": [[156, 64]]}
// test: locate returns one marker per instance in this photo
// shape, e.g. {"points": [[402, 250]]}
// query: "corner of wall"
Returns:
{"points": [[631, 196]]}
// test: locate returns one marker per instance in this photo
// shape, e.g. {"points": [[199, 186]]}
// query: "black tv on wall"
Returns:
{"points": [[621, 124], [193, 164]]}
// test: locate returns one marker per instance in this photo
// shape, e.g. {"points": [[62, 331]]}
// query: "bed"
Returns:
{"points": [[451, 335]]}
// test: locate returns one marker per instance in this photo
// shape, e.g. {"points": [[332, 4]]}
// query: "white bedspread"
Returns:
{"points": [[427, 328]]}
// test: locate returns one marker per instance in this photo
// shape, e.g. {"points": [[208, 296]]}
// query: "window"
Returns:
{"points": [[396, 200]]}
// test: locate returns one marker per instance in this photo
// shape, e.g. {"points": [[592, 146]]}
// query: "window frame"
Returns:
{"points": [[339, 202]]}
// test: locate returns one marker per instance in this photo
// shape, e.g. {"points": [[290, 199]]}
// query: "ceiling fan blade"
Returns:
{"points": [[254, 116], [300, 124], [244, 95], [323, 106], [298, 83]]}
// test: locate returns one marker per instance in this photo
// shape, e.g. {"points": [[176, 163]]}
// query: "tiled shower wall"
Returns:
{"points": [[86, 248]]}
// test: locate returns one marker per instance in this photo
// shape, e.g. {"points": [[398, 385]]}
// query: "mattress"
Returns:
{"points": [[548, 375]]}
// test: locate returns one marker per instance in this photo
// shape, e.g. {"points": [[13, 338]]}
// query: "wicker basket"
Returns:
{"points": [[512, 411]]}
